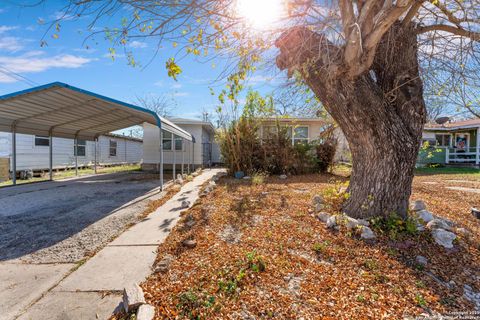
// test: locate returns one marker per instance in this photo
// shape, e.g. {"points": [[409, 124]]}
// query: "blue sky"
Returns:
{"points": [[67, 60]]}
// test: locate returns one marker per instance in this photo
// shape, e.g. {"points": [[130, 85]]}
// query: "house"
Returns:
{"points": [[33, 151], [306, 130], [453, 142], [205, 150]]}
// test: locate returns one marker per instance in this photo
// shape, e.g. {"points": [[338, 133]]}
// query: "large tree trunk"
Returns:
{"points": [[382, 114]]}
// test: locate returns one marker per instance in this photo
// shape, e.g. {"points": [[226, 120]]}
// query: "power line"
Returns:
{"points": [[17, 76]]}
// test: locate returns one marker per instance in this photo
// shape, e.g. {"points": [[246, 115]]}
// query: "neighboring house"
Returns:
{"points": [[32, 151], [306, 130], [205, 149], [455, 142]]}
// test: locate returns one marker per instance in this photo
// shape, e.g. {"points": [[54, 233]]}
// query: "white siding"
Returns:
{"points": [[151, 145], [34, 157]]}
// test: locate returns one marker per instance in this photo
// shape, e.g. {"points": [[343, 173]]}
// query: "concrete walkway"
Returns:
{"points": [[93, 291]]}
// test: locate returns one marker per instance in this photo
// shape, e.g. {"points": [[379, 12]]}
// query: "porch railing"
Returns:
{"points": [[465, 155]]}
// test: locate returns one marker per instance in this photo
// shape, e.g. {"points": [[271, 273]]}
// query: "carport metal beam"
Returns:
{"points": [[50, 155], [14, 155], [160, 167], [76, 155], [174, 140], [183, 155], [95, 157]]}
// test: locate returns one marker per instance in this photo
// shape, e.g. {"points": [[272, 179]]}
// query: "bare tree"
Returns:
{"points": [[364, 60], [158, 104]]}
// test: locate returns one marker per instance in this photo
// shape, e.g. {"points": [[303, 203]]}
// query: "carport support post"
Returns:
{"points": [[183, 155], [14, 155], [193, 156], [189, 155], [174, 157], [76, 156], [95, 158], [160, 167], [50, 154]]}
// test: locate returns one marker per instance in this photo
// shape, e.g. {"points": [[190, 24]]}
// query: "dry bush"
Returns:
{"points": [[243, 150]]}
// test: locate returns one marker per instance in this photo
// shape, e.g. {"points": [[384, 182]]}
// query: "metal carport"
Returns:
{"points": [[61, 110]]}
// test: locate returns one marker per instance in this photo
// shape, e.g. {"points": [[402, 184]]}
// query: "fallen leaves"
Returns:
{"points": [[335, 276]]}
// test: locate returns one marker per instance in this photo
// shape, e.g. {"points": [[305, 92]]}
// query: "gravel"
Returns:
{"points": [[70, 220]]}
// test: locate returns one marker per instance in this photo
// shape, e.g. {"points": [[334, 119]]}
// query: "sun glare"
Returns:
{"points": [[260, 14]]}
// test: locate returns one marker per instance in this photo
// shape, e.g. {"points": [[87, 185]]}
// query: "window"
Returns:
{"points": [[167, 140], [178, 144], [300, 135], [113, 148], [42, 141], [81, 148], [442, 140]]}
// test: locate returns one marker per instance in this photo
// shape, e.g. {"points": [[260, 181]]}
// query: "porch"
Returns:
{"points": [[452, 146]]}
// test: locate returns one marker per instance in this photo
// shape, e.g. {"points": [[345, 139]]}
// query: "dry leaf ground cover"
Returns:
{"points": [[262, 254]]}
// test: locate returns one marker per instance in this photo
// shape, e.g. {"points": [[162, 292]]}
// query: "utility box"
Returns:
{"points": [[4, 169]]}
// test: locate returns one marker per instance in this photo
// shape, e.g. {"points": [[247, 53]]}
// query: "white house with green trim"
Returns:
{"points": [[454, 142]]}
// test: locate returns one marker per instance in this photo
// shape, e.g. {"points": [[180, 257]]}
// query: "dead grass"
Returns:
{"points": [[285, 264]]}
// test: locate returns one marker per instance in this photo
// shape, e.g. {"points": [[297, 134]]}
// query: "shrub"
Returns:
{"points": [[325, 154]]}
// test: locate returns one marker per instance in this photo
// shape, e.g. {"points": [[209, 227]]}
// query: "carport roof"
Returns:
{"points": [[68, 112]]}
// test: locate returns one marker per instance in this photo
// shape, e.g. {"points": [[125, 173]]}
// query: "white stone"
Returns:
{"points": [[351, 223], [421, 260], [283, 176], [247, 178], [367, 233], [132, 297], [145, 312], [438, 224], [424, 215], [443, 237], [418, 205], [331, 222], [363, 222], [323, 216]]}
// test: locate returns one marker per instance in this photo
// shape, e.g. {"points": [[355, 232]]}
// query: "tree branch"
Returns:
{"points": [[450, 29]]}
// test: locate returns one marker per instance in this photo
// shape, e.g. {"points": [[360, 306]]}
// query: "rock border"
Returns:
{"points": [[441, 229]]}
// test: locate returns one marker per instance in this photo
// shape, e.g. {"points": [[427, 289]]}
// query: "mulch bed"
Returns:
{"points": [[261, 254]]}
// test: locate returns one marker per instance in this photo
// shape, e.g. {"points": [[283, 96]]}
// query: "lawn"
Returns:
{"points": [[262, 253], [59, 175]]}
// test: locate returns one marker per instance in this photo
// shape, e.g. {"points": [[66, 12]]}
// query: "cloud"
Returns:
{"points": [[59, 15], [176, 86], [33, 62], [158, 83], [137, 45], [115, 56], [4, 29], [11, 44], [181, 94]]}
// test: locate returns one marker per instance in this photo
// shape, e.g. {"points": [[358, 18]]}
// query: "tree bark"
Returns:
{"points": [[381, 113]]}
